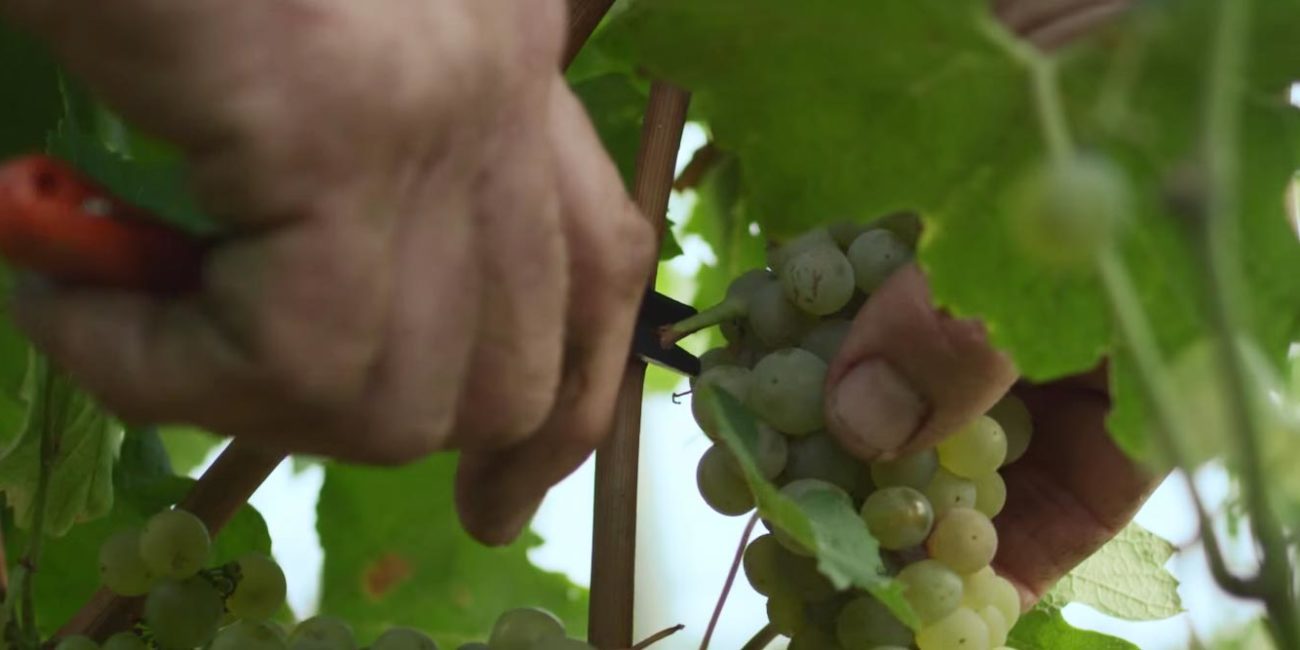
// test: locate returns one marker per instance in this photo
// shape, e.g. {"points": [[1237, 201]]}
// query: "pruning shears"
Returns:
{"points": [[59, 223]]}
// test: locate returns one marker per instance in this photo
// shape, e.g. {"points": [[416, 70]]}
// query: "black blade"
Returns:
{"points": [[658, 310]]}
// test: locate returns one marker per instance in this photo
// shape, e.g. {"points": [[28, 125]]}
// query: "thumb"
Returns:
{"points": [[907, 375]]}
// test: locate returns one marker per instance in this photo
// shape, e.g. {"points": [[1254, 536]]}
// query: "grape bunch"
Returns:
{"points": [[930, 511], [189, 605]]}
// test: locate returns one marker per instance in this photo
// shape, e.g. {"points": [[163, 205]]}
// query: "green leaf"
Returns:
{"points": [[1045, 629], [31, 82], [1126, 579], [847, 553], [188, 447], [80, 486], [721, 218], [396, 555]]}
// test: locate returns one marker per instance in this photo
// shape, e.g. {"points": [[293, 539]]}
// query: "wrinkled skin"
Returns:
{"points": [[431, 251]]}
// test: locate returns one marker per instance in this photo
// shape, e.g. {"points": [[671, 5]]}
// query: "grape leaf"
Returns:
{"points": [[396, 555], [1126, 579], [1045, 629], [31, 82], [846, 551]]}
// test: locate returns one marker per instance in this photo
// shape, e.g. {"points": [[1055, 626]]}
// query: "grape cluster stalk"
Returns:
{"points": [[931, 511], [189, 604]]}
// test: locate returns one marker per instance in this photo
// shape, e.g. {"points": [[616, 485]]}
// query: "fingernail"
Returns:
{"points": [[875, 410]]}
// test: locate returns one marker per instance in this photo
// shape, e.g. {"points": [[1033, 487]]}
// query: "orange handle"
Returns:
{"points": [[57, 222]]}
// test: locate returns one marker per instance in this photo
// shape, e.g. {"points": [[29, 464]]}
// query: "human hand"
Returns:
{"points": [[428, 247]]}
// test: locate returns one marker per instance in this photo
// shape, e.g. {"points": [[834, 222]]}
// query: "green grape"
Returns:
{"points": [[899, 517], [722, 484], [812, 637], [779, 256], [175, 544], [914, 470], [121, 568], [715, 358], [774, 320], [844, 232], [997, 624], [964, 540], [875, 255], [773, 570], [985, 587], [125, 641], [1018, 426], [403, 638], [962, 629], [865, 624], [990, 494], [977, 449], [947, 491], [261, 589], [183, 613], [771, 453], [787, 391], [1065, 212], [322, 633], [819, 456], [932, 589], [786, 614], [77, 642], [557, 643], [826, 339], [520, 629], [249, 635], [734, 380], [819, 280]]}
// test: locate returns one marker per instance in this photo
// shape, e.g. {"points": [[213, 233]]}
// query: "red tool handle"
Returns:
{"points": [[59, 223]]}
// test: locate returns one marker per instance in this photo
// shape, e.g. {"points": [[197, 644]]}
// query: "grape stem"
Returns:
{"points": [[761, 638], [720, 313], [584, 17], [658, 636], [731, 580]]}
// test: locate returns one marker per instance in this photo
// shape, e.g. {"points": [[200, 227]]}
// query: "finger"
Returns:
{"points": [[1072, 491], [611, 253], [908, 375]]}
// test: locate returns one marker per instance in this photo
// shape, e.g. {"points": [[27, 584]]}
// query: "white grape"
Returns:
{"points": [[774, 320], [976, 449], [990, 494], [733, 380], [932, 589], [964, 540], [787, 391], [947, 491], [826, 338], [962, 629], [819, 280], [722, 483], [913, 470], [899, 517], [1018, 426], [819, 456], [875, 255]]}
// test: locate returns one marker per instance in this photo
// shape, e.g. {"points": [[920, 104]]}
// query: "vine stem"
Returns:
{"points": [[215, 498], [613, 557], [584, 16], [1219, 245], [658, 636], [761, 638], [731, 580]]}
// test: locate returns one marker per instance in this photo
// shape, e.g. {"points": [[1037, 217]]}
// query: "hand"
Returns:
{"points": [[429, 249]]}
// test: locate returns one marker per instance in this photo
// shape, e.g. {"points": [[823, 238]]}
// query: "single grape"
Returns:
{"points": [[844, 232], [733, 380], [322, 633], [183, 613], [932, 589], [125, 641], [962, 629], [947, 491], [403, 638], [557, 643], [77, 642], [773, 570], [826, 338], [1065, 212], [175, 544], [819, 280], [249, 635], [261, 589], [121, 568], [819, 456], [812, 637], [976, 449], [875, 255], [786, 614], [787, 391], [714, 358], [899, 517], [722, 484], [520, 629], [1012, 414], [964, 540], [866, 624], [985, 587], [774, 320], [772, 451], [778, 256], [990, 494], [997, 624], [914, 470]]}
